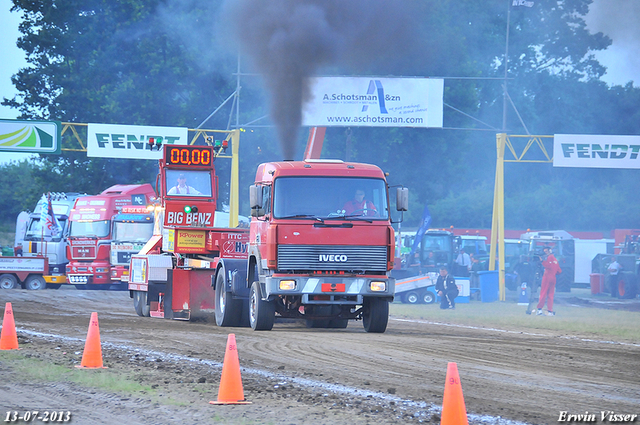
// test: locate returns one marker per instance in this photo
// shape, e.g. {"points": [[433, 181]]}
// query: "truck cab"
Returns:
{"points": [[563, 246], [33, 245], [90, 233], [132, 228], [321, 245]]}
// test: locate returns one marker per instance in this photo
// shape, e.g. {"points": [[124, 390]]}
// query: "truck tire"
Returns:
{"points": [[375, 315], [318, 310], [262, 313], [35, 283], [428, 297], [412, 297], [8, 281], [141, 304], [627, 285], [326, 310], [338, 323], [53, 285], [228, 310]]}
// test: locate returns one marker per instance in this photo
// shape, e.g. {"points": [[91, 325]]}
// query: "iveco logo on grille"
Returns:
{"points": [[331, 258]]}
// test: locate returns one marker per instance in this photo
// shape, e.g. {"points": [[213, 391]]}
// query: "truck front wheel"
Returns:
{"points": [[35, 283], [228, 310], [141, 304], [375, 315], [8, 281], [262, 313]]}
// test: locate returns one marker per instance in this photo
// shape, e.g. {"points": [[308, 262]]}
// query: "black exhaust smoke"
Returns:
{"points": [[289, 40]]}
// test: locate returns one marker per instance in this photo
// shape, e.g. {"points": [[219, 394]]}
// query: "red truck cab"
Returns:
{"points": [[321, 245], [90, 233]]}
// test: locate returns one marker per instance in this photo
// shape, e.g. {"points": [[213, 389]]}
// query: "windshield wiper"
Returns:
{"points": [[304, 216], [350, 216]]}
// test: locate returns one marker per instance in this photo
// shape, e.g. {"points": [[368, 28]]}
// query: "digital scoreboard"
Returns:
{"points": [[188, 156]]}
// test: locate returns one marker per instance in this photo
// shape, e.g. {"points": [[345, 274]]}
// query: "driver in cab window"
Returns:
{"points": [[182, 188], [359, 205]]}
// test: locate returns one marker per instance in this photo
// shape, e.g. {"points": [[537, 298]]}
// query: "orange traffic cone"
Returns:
{"points": [[92, 355], [8, 337], [453, 409], [230, 391]]}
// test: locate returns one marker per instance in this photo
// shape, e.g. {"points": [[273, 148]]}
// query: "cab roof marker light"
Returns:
{"points": [[320, 161]]}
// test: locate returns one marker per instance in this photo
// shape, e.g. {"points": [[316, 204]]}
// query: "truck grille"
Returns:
{"points": [[332, 258]]}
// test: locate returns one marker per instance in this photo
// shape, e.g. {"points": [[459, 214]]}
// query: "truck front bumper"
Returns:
{"points": [[330, 290]]}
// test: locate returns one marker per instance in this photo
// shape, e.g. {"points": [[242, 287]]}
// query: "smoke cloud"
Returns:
{"points": [[618, 20], [290, 40]]}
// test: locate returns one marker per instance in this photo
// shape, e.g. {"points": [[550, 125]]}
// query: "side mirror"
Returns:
{"points": [[402, 199], [255, 200]]}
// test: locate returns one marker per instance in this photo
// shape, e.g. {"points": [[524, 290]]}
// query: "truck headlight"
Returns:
{"points": [[376, 286], [287, 285]]}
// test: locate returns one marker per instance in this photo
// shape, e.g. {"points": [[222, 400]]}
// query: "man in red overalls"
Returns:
{"points": [[548, 287], [360, 206]]}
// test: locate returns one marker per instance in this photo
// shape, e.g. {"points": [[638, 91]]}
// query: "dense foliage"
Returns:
{"points": [[170, 62]]}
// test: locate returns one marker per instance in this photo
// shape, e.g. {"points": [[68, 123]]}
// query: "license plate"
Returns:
{"points": [[333, 287]]}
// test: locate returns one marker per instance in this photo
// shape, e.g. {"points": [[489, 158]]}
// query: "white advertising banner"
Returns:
{"points": [[131, 141], [374, 102], [596, 151]]}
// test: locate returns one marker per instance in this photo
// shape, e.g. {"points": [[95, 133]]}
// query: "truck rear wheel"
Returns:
{"points": [[412, 297], [428, 297], [35, 283], [627, 285], [262, 313], [228, 310], [8, 281], [375, 315], [141, 304], [326, 310]]}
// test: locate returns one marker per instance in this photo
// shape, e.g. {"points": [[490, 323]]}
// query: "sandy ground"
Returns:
{"points": [[295, 375]]}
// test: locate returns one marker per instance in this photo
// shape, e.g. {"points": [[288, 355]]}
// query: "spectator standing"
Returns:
{"points": [[463, 263], [613, 268], [548, 287]]}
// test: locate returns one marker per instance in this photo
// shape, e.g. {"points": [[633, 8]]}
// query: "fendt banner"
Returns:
{"points": [[374, 102], [30, 136], [131, 141], [596, 151]]}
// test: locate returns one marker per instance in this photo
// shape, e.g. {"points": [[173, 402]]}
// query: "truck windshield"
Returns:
{"points": [[34, 230], [98, 229], [349, 198], [132, 232], [437, 250], [188, 183], [477, 246]]}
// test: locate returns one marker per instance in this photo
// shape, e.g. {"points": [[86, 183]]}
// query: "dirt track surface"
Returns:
{"points": [[295, 375]]}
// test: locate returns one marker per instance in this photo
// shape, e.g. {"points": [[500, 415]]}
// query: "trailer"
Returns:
{"points": [[25, 272], [417, 289]]}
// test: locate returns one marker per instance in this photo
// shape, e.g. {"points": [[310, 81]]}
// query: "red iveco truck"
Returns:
{"points": [[313, 254], [321, 245], [90, 233]]}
